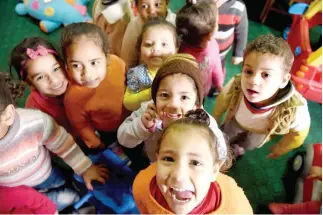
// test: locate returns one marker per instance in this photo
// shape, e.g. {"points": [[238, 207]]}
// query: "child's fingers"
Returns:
{"points": [[88, 184], [101, 180]]}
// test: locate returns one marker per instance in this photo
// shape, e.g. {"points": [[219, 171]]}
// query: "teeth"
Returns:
{"points": [[178, 189], [172, 115]]}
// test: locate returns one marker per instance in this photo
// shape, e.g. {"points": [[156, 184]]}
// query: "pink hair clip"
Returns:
{"points": [[33, 54]]}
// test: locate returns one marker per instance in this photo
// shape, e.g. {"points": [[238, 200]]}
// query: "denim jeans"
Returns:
{"points": [[53, 187]]}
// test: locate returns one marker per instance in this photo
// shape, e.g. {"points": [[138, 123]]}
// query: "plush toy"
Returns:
{"points": [[53, 13]]}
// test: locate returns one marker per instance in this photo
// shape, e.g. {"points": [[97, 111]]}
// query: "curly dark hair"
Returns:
{"points": [[10, 90], [272, 45]]}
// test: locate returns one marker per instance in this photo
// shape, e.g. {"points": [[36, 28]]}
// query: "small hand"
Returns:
{"points": [[275, 152], [149, 117], [237, 60], [96, 172], [315, 173]]}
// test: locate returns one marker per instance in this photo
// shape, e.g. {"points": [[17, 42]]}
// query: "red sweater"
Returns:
{"points": [[53, 107], [24, 200], [101, 108]]}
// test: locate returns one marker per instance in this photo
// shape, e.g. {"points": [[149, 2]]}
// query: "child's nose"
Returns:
{"points": [[174, 102], [179, 173], [87, 73], [152, 11], [53, 80], [254, 80]]}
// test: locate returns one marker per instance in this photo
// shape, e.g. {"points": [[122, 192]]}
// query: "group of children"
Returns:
{"points": [[85, 100]]}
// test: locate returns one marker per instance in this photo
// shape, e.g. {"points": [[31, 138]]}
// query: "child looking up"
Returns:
{"points": [[157, 41], [26, 136], [195, 24], [262, 101], [39, 65], [147, 9], [94, 99], [176, 89], [186, 178]]}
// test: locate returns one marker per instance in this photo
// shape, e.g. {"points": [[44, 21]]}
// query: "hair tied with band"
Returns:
{"points": [[199, 115]]}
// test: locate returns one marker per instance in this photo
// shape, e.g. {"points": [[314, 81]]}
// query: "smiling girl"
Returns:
{"points": [[39, 65]]}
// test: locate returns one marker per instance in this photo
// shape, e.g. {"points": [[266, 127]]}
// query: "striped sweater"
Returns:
{"points": [[233, 28], [24, 155]]}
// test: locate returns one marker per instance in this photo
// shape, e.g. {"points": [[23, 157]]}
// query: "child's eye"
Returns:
{"points": [[165, 95], [164, 44], [144, 6], [40, 77], [168, 159], [158, 4], [76, 66], [185, 97], [248, 71], [93, 63], [265, 75], [195, 163], [148, 44], [57, 69]]}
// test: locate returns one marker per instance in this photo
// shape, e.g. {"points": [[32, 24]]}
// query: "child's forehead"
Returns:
{"points": [[176, 77], [264, 56], [160, 30], [152, 1]]}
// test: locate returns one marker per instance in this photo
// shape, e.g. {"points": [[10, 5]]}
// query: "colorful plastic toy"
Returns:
{"points": [[53, 13], [308, 195], [307, 68], [115, 196]]}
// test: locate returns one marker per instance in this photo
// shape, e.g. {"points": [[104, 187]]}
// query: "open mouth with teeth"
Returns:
{"points": [[181, 195], [172, 115]]}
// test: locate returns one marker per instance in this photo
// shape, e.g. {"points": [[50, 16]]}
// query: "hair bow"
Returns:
{"points": [[33, 54], [40, 51]]}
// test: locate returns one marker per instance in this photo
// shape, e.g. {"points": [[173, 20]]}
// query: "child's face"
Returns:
{"points": [[262, 77], [175, 97], [185, 169], [86, 62], [152, 8], [46, 75], [157, 44]]}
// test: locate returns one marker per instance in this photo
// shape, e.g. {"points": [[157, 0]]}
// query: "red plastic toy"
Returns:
{"points": [[307, 68], [308, 196]]}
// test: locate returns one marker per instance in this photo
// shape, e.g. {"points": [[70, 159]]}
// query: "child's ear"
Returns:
{"points": [[8, 115], [285, 81]]}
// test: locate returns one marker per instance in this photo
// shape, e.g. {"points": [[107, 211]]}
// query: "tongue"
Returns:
{"points": [[182, 195]]}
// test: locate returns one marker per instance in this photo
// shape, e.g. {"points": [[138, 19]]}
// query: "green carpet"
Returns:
{"points": [[261, 178]]}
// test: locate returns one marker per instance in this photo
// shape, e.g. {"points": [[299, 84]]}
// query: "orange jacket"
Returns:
{"points": [[233, 199], [101, 108]]}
